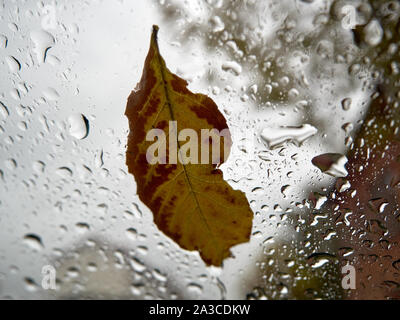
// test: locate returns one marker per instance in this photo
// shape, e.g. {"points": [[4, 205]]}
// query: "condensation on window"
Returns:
{"points": [[310, 91]]}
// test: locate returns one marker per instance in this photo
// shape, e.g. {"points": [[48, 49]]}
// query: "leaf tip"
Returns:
{"points": [[155, 31]]}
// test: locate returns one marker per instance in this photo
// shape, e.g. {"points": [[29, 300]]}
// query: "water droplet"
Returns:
{"points": [[373, 33], [382, 207], [98, 160], [319, 259], [254, 89], [72, 272], [92, 267], [13, 64], [4, 111], [345, 251], [3, 41], [137, 265], [131, 233], [11, 164], [82, 227], [78, 126], [195, 288], [159, 276], [13, 27], [42, 41], [285, 189], [377, 204], [64, 172], [277, 136], [232, 66], [343, 185], [331, 163], [317, 200], [346, 104], [39, 166], [30, 284], [143, 250], [217, 24], [348, 127], [33, 241], [22, 125]]}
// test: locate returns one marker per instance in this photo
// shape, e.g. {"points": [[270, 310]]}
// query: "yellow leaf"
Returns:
{"points": [[191, 202]]}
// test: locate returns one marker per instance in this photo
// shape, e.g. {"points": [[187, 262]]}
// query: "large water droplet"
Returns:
{"points": [[42, 41], [78, 126], [331, 163], [276, 136], [373, 33]]}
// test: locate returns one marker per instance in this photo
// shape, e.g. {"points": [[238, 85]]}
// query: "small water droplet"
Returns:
{"points": [[3, 41], [33, 241], [30, 284], [131, 234], [82, 227], [346, 104], [195, 288], [98, 160], [64, 172], [13, 64], [72, 272], [11, 164], [137, 265], [4, 113], [39, 166], [232, 66], [159, 276], [13, 27], [217, 24], [92, 267]]}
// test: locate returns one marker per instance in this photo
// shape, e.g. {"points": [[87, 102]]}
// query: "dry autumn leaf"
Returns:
{"points": [[191, 202]]}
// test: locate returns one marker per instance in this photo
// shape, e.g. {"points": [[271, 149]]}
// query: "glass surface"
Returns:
{"points": [[322, 74]]}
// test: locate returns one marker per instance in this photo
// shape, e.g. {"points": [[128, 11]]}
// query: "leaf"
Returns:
{"points": [[191, 203]]}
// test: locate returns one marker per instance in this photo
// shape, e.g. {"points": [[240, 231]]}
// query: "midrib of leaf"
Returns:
{"points": [[169, 104]]}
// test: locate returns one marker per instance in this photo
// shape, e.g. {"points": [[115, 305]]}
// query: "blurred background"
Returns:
{"points": [[310, 91]]}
